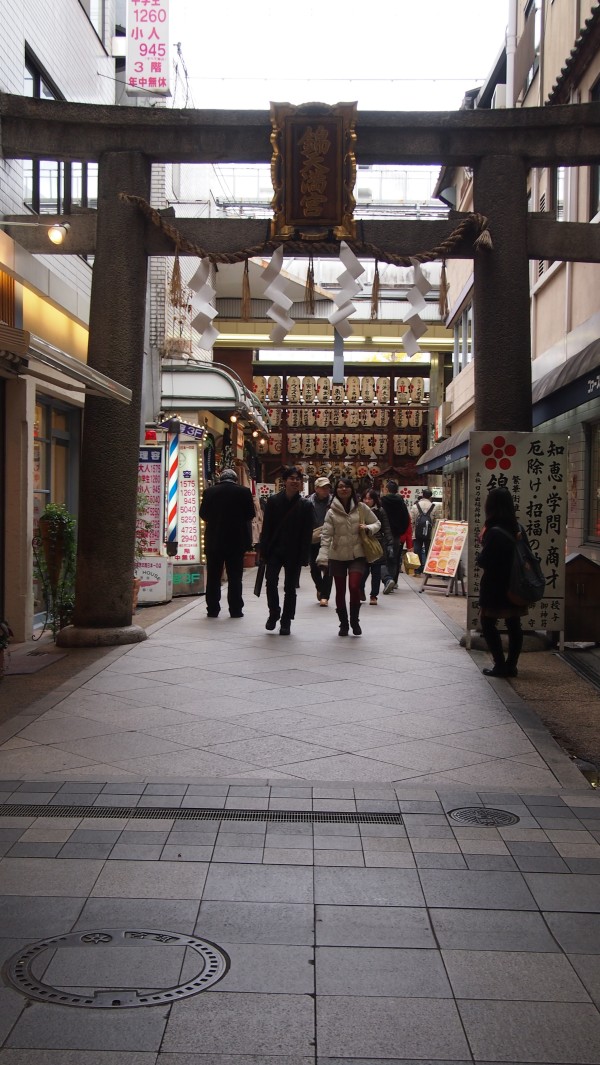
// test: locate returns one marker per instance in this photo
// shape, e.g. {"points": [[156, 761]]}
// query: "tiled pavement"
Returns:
{"points": [[361, 941]]}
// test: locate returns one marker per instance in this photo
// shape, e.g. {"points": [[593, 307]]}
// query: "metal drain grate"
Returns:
{"points": [[483, 815], [210, 965], [209, 813]]}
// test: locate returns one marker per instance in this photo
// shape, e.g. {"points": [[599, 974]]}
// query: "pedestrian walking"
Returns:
{"points": [[399, 519], [373, 501], [495, 559], [321, 500], [422, 515], [285, 544], [342, 549], [227, 508]]}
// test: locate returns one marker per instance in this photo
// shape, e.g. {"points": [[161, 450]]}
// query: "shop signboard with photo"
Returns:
{"points": [[446, 548]]}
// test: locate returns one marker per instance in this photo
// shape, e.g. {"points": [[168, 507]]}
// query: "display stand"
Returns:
{"points": [[450, 583], [444, 560]]}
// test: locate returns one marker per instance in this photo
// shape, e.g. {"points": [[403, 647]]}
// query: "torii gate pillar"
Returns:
{"points": [[501, 298], [111, 431]]}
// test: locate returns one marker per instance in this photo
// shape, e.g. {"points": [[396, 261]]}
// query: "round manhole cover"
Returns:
{"points": [[114, 968], [483, 815]]}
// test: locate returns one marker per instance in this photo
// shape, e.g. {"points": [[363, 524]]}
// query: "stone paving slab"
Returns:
{"points": [[401, 938]]}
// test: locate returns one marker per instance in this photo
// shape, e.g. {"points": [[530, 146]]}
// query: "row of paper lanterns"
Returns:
{"points": [[341, 444], [321, 390], [348, 417]]}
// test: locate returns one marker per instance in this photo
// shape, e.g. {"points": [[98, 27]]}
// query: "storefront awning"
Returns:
{"points": [[25, 355], [207, 387], [450, 450]]}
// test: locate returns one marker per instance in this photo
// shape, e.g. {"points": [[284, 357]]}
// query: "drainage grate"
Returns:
{"points": [[209, 813], [210, 964], [483, 815]]}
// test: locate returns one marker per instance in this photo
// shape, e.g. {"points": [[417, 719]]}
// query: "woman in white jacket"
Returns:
{"points": [[342, 550]]}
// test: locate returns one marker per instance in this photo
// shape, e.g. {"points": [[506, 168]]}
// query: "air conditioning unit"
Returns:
{"points": [[499, 97]]}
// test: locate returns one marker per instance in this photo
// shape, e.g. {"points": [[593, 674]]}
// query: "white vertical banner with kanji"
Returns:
{"points": [[533, 466], [147, 63], [188, 504], [151, 485]]}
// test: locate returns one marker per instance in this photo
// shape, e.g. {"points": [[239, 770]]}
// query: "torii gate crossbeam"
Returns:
{"points": [[500, 146]]}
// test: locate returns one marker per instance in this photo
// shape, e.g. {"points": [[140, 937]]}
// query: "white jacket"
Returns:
{"points": [[340, 539]]}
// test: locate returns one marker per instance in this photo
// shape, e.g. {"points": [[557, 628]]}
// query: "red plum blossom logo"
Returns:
{"points": [[498, 453]]}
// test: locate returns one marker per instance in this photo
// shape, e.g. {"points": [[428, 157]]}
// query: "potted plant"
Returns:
{"points": [[5, 635], [54, 552]]}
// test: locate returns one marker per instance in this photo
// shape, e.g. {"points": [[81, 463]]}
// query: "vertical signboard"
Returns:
{"points": [[188, 526], [147, 63], [151, 481], [533, 466]]}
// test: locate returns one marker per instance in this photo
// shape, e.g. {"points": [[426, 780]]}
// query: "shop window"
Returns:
{"points": [[593, 523], [49, 186], [55, 447]]}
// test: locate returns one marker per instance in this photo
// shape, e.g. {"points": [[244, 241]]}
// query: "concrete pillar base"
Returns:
{"points": [[77, 636]]}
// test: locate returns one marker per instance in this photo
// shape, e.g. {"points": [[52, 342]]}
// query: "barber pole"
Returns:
{"points": [[172, 496]]}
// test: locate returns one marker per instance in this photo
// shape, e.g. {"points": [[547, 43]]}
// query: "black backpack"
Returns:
{"points": [[423, 524], [527, 584]]}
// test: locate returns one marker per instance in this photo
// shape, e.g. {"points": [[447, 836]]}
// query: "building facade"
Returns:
{"points": [[58, 51], [551, 57]]}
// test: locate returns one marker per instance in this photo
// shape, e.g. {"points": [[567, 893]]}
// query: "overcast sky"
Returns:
{"points": [[394, 55]]}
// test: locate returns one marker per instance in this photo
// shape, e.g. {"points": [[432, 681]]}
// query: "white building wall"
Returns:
{"points": [[67, 47]]}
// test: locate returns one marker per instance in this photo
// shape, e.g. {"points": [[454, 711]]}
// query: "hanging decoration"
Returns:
{"points": [[349, 287], [416, 298], [275, 291], [202, 307], [375, 292], [246, 298]]}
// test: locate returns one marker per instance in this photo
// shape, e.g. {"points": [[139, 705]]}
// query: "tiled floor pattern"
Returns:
{"points": [[360, 943], [223, 698]]}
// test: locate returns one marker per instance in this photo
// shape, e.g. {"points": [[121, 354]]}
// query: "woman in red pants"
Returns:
{"points": [[342, 549]]}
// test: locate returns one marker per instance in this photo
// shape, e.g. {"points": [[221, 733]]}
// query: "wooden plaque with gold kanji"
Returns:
{"points": [[313, 170]]}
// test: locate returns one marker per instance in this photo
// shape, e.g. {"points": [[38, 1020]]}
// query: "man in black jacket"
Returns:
{"points": [[285, 544], [228, 510], [399, 519]]}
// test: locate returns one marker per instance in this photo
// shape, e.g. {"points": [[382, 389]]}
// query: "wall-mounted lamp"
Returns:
{"points": [[255, 433], [233, 418], [57, 231]]}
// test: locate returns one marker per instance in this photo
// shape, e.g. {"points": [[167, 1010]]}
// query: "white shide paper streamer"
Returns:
{"points": [[416, 298], [349, 287], [202, 308], [275, 291]]}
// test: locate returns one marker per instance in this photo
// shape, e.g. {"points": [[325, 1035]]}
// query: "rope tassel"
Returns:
{"points": [[443, 298], [246, 298], [375, 292], [309, 289]]}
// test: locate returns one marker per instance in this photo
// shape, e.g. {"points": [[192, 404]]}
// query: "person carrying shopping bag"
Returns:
{"points": [[347, 524]]}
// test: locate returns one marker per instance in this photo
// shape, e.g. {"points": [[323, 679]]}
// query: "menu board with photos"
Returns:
{"points": [[446, 548], [533, 466]]}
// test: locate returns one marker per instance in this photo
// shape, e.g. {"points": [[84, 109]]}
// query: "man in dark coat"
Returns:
{"points": [[399, 519], [285, 544], [228, 510]]}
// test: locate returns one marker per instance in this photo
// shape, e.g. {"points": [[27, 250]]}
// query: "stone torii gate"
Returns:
{"points": [[499, 145]]}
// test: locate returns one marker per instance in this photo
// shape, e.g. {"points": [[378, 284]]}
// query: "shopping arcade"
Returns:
{"points": [[499, 146]]}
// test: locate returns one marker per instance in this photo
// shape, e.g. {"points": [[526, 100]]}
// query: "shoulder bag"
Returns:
{"points": [[370, 544]]}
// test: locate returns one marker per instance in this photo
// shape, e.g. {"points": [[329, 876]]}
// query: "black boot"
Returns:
{"points": [[343, 616], [354, 612], [494, 641]]}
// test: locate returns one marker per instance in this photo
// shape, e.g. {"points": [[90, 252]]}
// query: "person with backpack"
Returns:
{"points": [[500, 534], [422, 515], [399, 521]]}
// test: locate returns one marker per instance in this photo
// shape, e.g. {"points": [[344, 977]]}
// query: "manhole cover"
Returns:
{"points": [[112, 968], [483, 815]]}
